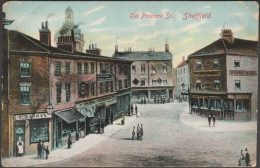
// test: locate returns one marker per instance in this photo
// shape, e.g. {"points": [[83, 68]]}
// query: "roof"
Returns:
{"points": [[183, 63], [20, 42], [70, 115], [239, 47], [69, 9], [143, 56]]}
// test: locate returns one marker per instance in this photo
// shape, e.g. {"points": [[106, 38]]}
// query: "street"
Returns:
{"points": [[166, 142]]}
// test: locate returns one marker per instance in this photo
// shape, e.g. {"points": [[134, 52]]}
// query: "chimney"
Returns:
{"points": [[116, 48], [45, 34], [183, 58], [227, 35], [89, 47], [166, 47], [93, 46]]}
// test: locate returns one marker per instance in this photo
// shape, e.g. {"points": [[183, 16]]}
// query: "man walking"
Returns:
{"points": [[213, 119], [136, 110], [247, 158], [132, 109], [209, 119], [39, 149]]}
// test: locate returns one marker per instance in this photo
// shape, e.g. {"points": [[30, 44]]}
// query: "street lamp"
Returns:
{"points": [[189, 100], [49, 108]]}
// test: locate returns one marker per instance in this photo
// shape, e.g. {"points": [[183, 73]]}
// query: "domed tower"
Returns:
{"points": [[66, 30]]}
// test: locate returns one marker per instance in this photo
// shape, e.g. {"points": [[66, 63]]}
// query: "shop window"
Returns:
{"points": [[142, 82], [242, 105], [215, 104], [107, 87], [58, 95], [81, 125], [67, 92], [237, 85], [67, 67], [39, 130], [198, 65], [57, 68], [194, 103], [153, 69], [125, 82], [101, 88], [236, 63], [85, 68], [231, 104], [25, 95], [92, 64], [93, 89], [217, 85], [164, 69], [79, 68], [198, 85], [239, 106], [111, 87], [215, 63], [25, 69], [120, 84], [87, 90], [143, 68], [68, 129], [133, 69], [246, 105]]}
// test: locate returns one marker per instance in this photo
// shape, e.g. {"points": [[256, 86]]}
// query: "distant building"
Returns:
{"points": [[151, 74], [223, 78], [182, 80]]}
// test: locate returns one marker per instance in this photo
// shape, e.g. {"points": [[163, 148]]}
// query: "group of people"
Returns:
{"points": [[43, 152], [139, 132], [132, 110], [244, 160], [213, 118]]}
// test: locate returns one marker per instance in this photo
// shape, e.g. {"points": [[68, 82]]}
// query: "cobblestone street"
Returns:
{"points": [[167, 142]]}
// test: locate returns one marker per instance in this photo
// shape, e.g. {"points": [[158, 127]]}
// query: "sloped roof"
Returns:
{"points": [[183, 63], [143, 56], [240, 46]]}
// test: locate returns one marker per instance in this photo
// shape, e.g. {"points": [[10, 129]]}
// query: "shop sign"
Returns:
{"points": [[242, 73], [99, 100], [32, 116], [104, 77]]}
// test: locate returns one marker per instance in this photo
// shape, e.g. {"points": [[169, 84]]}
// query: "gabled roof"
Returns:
{"points": [[143, 56], [183, 63], [239, 47]]}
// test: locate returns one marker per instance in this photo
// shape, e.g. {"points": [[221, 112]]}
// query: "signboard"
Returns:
{"points": [[113, 101], [104, 77], [242, 73], [32, 116]]}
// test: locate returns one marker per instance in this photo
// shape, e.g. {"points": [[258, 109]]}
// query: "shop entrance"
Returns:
{"points": [[58, 134], [19, 132], [107, 115]]}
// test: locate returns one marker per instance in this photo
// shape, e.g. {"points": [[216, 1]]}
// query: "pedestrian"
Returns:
{"points": [[20, 146], [136, 110], [154, 100], [133, 133], [242, 159], [77, 136], [39, 149], [111, 119], [214, 120], [43, 151], [142, 131], [132, 109], [137, 131], [69, 142], [47, 152], [209, 119], [247, 158]]}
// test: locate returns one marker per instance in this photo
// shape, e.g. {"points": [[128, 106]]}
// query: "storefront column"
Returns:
{"points": [[149, 94], [222, 108]]}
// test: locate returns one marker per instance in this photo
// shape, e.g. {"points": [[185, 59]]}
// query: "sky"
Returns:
{"points": [[104, 23]]}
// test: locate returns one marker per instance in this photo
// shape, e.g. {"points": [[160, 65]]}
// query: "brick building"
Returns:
{"points": [[223, 78], [85, 91], [151, 75]]}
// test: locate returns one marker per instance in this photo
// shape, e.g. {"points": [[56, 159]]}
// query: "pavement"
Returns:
{"points": [[84, 144], [201, 123]]}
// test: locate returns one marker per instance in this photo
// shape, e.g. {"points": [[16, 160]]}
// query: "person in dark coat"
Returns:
{"points": [[47, 152], [247, 158], [111, 119], [132, 109], [154, 100], [136, 110], [69, 142], [39, 149], [142, 131], [209, 119], [77, 136], [214, 120]]}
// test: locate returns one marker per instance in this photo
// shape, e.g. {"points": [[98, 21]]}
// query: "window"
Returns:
{"points": [[101, 88], [112, 68], [79, 68], [120, 84], [25, 69], [237, 84], [87, 89], [67, 67], [154, 82], [82, 90], [25, 95], [119, 69], [58, 96], [107, 87], [198, 85], [67, 86], [215, 63], [111, 87], [198, 65], [39, 130], [143, 68], [106, 68], [164, 69], [159, 81], [85, 68], [217, 85], [142, 82], [125, 82], [92, 64], [133, 69], [236, 63], [153, 69], [125, 70], [165, 81], [58, 68], [101, 68], [92, 89]]}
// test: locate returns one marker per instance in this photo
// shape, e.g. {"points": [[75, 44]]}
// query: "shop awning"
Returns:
{"points": [[87, 111], [70, 115]]}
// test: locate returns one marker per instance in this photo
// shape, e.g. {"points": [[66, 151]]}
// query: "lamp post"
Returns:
{"points": [[49, 108], [189, 100]]}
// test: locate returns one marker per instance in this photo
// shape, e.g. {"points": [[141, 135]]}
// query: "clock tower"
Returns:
{"points": [[69, 15]]}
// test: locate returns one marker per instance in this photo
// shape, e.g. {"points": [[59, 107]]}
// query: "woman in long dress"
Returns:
{"points": [[133, 133], [43, 151], [20, 145]]}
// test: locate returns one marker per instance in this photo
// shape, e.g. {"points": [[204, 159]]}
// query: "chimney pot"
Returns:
{"points": [[46, 24]]}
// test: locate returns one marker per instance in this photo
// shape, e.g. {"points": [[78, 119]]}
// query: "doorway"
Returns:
{"points": [[19, 132], [58, 134]]}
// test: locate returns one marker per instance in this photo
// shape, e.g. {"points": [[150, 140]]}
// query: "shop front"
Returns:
{"points": [[123, 103], [29, 129], [66, 122]]}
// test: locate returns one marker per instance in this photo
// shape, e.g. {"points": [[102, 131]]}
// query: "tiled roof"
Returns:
{"points": [[143, 56], [240, 46]]}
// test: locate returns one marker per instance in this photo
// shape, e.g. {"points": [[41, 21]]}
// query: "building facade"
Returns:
{"points": [[182, 80], [84, 91], [223, 78], [151, 75]]}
